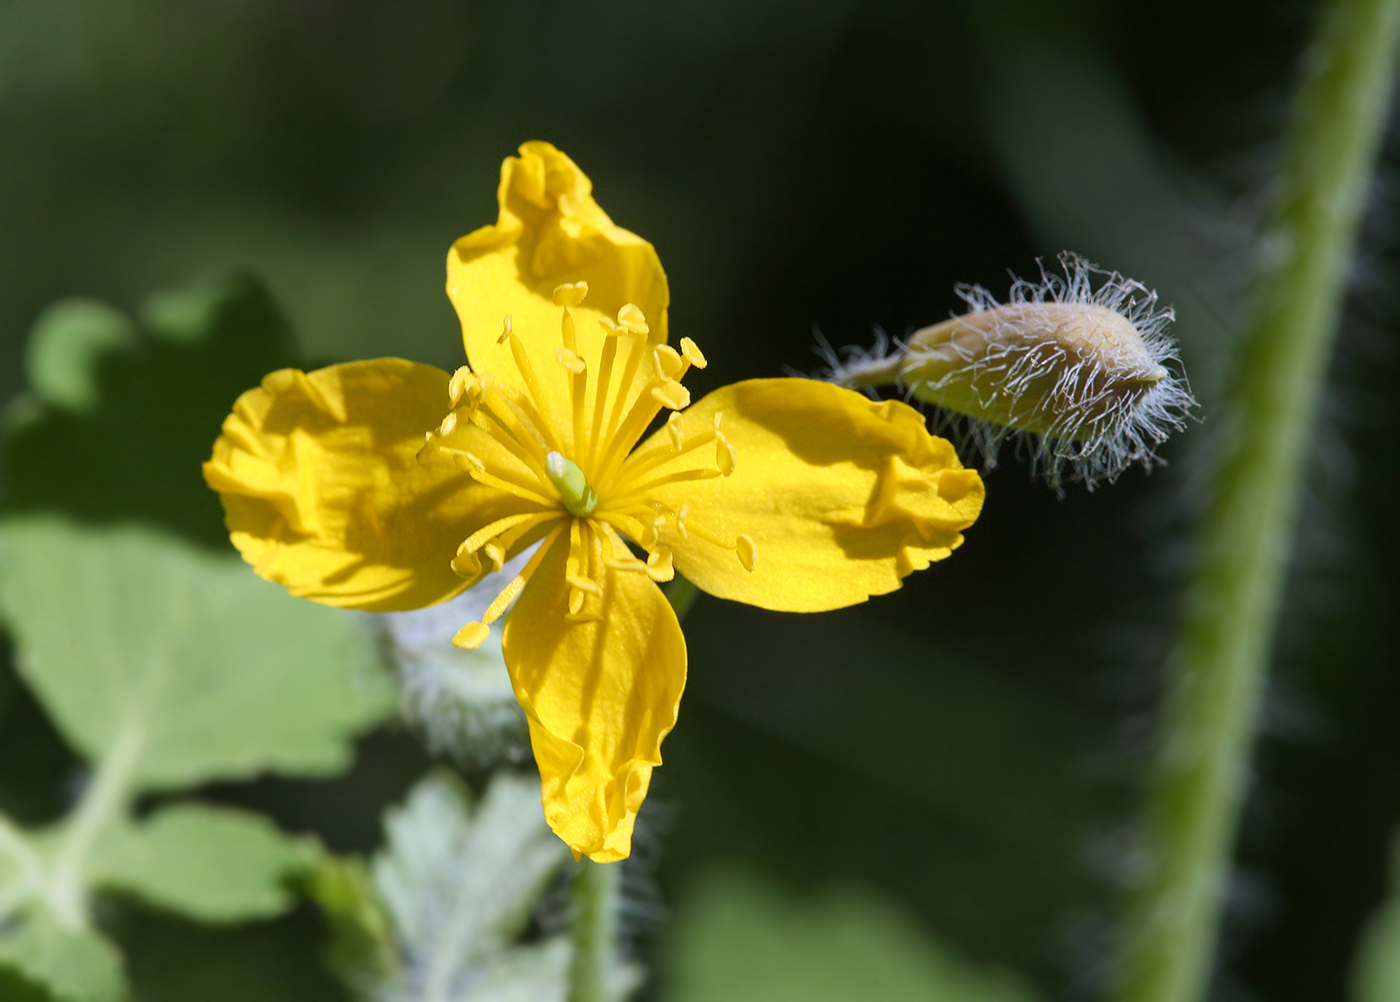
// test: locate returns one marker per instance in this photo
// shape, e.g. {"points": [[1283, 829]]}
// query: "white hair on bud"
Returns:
{"points": [[1078, 368]]}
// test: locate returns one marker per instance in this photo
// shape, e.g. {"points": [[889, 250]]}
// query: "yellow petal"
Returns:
{"points": [[323, 492], [599, 697], [840, 497], [550, 231]]}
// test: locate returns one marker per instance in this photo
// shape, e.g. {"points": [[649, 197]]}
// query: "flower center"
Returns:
{"points": [[573, 472], [579, 496]]}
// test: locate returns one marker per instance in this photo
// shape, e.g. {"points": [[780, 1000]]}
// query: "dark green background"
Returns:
{"points": [[970, 744]]}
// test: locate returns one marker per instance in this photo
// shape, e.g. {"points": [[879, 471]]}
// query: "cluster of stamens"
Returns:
{"points": [[585, 484]]}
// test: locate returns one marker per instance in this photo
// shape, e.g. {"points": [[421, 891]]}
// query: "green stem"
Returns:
{"points": [[681, 593], [1220, 662], [595, 891]]}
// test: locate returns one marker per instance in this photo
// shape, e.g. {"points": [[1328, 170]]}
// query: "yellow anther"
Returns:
{"points": [[681, 530], [725, 457], [464, 384], [466, 563], [610, 328], [471, 459], [667, 361], [744, 547], [671, 394], [629, 564], [632, 318], [570, 293], [660, 566], [692, 354], [719, 421], [506, 330], [496, 553], [471, 636], [584, 584], [673, 428], [576, 600], [449, 424], [569, 359]]}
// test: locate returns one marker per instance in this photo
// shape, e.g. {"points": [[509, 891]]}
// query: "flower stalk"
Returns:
{"points": [[1218, 670], [595, 891]]}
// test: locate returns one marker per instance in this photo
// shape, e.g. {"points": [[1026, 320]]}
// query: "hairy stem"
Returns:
{"points": [[1218, 668], [595, 890]]}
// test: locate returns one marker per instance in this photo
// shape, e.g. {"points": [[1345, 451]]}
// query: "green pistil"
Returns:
{"points": [[579, 496]]}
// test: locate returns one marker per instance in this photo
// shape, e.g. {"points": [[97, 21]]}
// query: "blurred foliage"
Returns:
{"points": [[120, 415], [967, 746], [741, 940], [142, 652], [1376, 977]]}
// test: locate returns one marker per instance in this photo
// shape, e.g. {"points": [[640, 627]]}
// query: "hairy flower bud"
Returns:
{"points": [[1084, 372]]}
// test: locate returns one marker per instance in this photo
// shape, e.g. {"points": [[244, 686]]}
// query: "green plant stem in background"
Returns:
{"points": [[595, 892], [1220, 662], [681, 593]]}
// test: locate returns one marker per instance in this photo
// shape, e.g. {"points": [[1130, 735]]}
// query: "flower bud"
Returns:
{"points": [[1083, 372]]}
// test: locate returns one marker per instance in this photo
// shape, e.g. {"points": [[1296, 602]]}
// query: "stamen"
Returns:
{"points": [[531, 422], [578, 377], [680, 476], [629, 375], [660, 565], [471, 636], [660, 392], [536, 401], [478, 471], [671, 394], [484, 535], [743, 545], [673, 428], [464, 384], [605, 368], [502, 601], [631, 317], [634, 467], [519, 444], [691, 353], [725, 456], [570, 293], [667, 361], [506, 327]]}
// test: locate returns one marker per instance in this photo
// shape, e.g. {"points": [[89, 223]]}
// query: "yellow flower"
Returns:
{"points": [[388, 485]]}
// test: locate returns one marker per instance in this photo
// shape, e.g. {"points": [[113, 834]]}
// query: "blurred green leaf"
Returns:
{"points": [[362, 950], [460, 881], [122, 416], [74, 964], [1376, 973], [738, 939], [165, 666], [208, 863], [69, 343], [183, 663], [439, 912]]}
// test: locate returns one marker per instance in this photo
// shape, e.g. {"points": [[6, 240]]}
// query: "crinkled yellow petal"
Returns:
{"points": [[323, 491], [599, 697], [841, 496], [550, 231]]}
